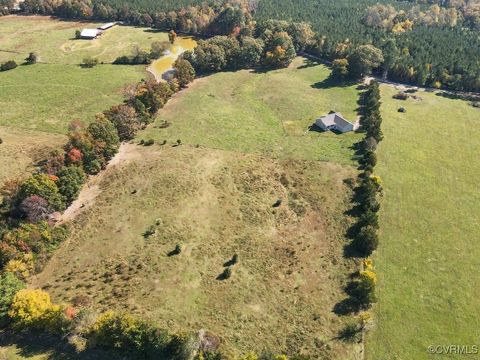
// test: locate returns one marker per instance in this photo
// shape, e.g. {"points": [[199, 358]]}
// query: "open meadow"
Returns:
{"points": [[47, 96], [214, 204], [54, 40], [428, 257], [267, 113], [153, 233]]}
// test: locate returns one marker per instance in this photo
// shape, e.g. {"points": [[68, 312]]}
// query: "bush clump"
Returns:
{"points": [[9, 65], [70, 181], [33, 309], [9, 286]]}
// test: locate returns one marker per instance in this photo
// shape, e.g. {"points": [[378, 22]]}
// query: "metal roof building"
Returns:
{"points": [[107, 26], [89, 33]]}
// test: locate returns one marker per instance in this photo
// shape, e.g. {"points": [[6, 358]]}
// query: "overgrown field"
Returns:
{"points": [[268, 113], [429, 255], [22, 148], [214, 204]]}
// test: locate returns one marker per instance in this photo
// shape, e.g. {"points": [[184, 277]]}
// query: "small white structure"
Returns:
{"points": [[334, 121], [107, 26], [89, 34]]}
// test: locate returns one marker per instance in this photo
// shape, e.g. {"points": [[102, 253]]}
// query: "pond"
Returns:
{"points": [[165, 63]]}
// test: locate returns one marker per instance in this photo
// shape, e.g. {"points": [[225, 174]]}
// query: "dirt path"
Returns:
{"points": [[91, 189]]}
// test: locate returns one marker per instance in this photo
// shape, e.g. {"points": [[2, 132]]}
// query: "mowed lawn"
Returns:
{"points": [[429, 256], [267, 113], [54, 40]]}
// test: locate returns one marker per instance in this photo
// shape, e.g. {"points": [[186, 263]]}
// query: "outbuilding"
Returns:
{"points": [[334, 121], [107, 26], [89, 34]]}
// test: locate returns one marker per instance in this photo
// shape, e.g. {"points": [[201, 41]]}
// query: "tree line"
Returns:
{"points": [[434, 56]]}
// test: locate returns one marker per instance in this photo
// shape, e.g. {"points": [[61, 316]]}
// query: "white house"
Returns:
{"points": [[334, 121], [89, 33]]}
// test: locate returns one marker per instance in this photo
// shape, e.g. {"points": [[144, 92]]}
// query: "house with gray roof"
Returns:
{"points": [[334, 121]]}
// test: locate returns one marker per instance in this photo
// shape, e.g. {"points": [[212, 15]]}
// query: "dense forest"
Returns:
{"points": [[430, 43], [426, 55]]}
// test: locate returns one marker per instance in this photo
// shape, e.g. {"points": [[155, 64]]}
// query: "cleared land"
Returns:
{"points": [[214, 200], [429, 256], [54, 40], [215, 203], [47, 96], [268, 113]]}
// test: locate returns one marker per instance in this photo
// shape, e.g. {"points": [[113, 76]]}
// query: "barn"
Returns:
{"points": [[334, 121], [89, 34]]}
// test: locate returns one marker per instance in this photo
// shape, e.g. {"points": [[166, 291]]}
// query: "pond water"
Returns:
{"points": [[165, 63]]}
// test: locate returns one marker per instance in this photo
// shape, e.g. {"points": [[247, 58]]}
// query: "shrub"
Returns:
{"points": [[369, 144], [37, 238], [227, 273], [34, 208], [9, 65], [31, 59], [369, 218], [70, 181], [34, 309], [149, 142], [370, 159], [366, 240], [400, 96], [81, 301], [55, 162], [89, 62], [9, 286], [177, 250], [122, 331], [20, 267], [43, 186], [364, 289], [351, 332]]}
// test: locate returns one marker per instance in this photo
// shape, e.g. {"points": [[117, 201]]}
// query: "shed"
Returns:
{"points": [[107, 26], [89, 33], [334, 121]]}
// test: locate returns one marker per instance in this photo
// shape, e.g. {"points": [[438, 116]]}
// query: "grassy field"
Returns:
{"points": [[21, 148], [429, 256], [267, 113], [48, 97], [215, 203], [214, 200], [54, 40]]}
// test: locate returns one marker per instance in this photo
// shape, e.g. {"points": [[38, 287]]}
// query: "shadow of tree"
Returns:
{"points": [[331, 82], [29, 344], [309, 62]]}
